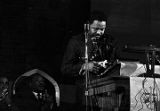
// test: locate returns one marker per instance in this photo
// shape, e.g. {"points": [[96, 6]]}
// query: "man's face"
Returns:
{"points": [[97, 28], [3, 83], [38, 83]]}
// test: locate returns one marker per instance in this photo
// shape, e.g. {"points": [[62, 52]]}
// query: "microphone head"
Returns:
{"points": [[86, 27]]}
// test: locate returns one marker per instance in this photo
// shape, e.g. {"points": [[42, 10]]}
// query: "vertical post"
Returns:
{"points": [[153, 55], [86, 29], [154, 81]]}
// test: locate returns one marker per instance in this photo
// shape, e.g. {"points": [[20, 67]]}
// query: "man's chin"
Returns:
{"points": [[95, 38]]}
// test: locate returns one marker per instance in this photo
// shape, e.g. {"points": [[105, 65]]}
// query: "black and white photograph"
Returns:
{"points": [[79, 55]]}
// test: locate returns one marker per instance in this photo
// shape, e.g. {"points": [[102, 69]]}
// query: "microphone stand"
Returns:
{"points": [[86, 29]]}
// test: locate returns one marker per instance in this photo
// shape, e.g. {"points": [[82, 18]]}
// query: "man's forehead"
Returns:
{"points": [[37, 77], [100, 24]]}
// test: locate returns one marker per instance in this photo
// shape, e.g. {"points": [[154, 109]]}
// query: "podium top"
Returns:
{"points": [[135, 69], [141, 48]]}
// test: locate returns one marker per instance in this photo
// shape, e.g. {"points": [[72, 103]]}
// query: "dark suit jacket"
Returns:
{"points": [[75, 52], [25, 100]]}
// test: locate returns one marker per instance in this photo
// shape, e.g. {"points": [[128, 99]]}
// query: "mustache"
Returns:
{"points": [[95, 37]]}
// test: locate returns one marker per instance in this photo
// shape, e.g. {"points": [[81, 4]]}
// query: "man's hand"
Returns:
{"points": [[91, 66]]}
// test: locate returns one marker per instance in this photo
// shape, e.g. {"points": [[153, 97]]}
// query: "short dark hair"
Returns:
{"points": [[36, 75], [97, 15]]}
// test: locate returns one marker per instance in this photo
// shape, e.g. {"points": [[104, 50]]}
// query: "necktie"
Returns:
{"points": [[39, 95]]}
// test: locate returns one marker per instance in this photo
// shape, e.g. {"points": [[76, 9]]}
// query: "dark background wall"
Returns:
{"points": [[34, 33]]}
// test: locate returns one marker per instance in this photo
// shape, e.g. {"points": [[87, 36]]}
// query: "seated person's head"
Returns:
{"points": [[37, 83], [3, 83]]}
